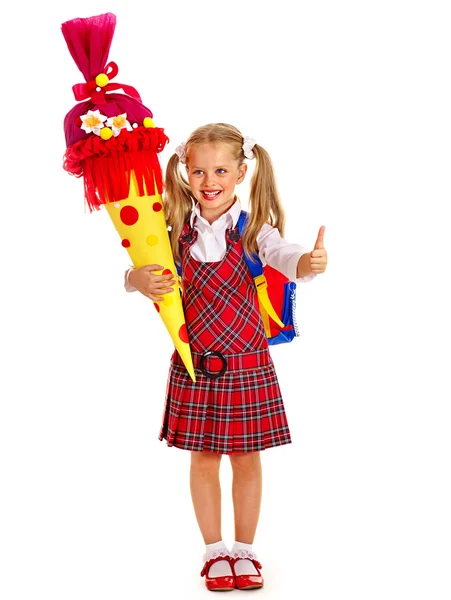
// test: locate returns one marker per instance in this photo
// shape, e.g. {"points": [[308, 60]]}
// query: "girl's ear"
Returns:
{"points": [[241, 173]]}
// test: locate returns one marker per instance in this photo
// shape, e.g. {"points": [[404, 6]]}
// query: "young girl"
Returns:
{"points": [[235, 407]]}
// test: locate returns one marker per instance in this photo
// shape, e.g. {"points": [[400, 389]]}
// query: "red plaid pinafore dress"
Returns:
{"points": [[241, 410]]}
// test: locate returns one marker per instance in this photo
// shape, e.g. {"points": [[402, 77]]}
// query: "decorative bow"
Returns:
{"points": [[181, 152], [248, 144], [96, 88]]}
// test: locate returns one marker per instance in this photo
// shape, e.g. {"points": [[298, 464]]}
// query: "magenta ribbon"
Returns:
{"points": [[83, 91]]}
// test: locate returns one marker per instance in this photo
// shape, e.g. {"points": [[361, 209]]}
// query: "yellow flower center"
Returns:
{"points": [[119, 121], [92, 121]]}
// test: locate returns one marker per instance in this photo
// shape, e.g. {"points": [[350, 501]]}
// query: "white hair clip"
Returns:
{"points": [[248, 144], [181, 152]]}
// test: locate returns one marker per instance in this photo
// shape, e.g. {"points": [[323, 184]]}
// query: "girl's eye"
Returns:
{"points": [[197, 171], [221, 171]]}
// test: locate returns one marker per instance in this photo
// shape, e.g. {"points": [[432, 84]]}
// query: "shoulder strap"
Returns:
{"points": [[177, 266], [256, 269]]}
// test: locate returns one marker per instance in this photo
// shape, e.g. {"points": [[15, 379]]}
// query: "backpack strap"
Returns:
{"points": [[179, 267], [256, 269]]}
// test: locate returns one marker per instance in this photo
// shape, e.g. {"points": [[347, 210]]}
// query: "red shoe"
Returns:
{"points": [[248, 582], [218, 584]]}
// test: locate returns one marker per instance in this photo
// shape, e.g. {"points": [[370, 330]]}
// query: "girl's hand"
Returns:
{"points": [[318, 256], [150, 284]]}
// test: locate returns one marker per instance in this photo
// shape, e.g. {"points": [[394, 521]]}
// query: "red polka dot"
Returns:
{"points": [[167, 272], [129, 215], [156, 306], [157, 206], [126, 243], [78, 122], [183, 333]]}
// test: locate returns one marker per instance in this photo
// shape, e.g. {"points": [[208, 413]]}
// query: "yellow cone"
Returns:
{"points": [[141, 224]]}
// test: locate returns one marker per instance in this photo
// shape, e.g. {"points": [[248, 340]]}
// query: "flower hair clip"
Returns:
{"points": [[248, 144], [181, 152]]}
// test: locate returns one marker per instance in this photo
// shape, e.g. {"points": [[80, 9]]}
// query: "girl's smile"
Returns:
{"points": [[210, 195]]}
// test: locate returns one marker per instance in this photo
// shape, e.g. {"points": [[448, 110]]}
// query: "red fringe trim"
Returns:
{"points": [[106, 165]]}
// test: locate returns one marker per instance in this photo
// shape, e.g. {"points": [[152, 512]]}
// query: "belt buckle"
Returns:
{"points": [[213, 375]]}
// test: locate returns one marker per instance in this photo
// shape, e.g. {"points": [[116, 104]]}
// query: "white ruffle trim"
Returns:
{"points": [[244, 554], [221, 553]]}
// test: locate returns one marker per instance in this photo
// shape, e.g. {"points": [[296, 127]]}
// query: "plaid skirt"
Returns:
{"points": [[241, 411]]}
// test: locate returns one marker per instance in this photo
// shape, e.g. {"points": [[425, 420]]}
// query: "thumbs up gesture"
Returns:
{"points": [[318, 256]]}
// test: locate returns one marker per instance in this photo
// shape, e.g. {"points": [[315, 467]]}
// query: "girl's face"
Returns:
{"points": [[213, 174]]}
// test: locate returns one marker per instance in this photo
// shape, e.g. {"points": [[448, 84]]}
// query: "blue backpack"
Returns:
{"points": [[276, 295]]}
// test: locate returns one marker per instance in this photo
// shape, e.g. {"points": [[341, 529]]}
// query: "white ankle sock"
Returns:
{"points": [[245, 554], [222, 567]]}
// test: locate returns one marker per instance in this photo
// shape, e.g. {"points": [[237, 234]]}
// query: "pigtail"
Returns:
{"points": [[264, 200], [178, 203]]}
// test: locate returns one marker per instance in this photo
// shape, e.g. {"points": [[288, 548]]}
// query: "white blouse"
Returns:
{"points": [[211, 244]]}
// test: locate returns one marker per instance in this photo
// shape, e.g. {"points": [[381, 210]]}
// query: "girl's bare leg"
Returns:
{"points": [[247, 494], [206, 494]]}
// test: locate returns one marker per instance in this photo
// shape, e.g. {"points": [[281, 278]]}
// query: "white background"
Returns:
{"points": [[352, 101]]}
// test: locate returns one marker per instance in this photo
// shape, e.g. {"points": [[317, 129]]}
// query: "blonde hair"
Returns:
{"points": [[264, 202]]}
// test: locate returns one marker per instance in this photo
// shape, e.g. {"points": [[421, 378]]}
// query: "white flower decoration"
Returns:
{"points": [[181, 152], [93, 121], [248, 144], [118, 123]]}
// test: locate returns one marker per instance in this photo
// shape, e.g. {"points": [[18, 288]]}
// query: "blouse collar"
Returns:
{"points": [[231, 216]]}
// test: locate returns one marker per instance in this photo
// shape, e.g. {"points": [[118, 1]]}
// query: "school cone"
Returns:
{"points": [[141, 225], [112, 143]]}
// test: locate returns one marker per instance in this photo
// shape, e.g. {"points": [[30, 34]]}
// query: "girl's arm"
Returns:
{"points": [[293, 260], [128, 286], [303, 269]]}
